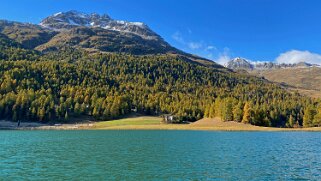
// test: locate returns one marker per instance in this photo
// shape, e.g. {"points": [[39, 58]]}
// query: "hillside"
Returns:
{"points": [[302, 77], [305, 80], [91, 33], [65, 75]]}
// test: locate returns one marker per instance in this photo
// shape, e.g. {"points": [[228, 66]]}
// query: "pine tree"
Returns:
{"points": [[290, 123], [207, 111], [41, 114], [247, 113], [77, 109], [317, 117], [218, 107], [309, 113], [96, 112], [106, 114], [238, 112], [227, 110], [212, 111]]}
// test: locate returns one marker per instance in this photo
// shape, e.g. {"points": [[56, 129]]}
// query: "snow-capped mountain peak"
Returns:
{"points": [[71, 19], [239, 63]]}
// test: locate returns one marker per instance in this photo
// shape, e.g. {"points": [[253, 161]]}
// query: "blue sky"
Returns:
{"points": [[260, 30]]}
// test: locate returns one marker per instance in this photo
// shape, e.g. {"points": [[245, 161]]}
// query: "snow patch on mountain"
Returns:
{"points": [[66, 20], [57, 14], [239, 63]]}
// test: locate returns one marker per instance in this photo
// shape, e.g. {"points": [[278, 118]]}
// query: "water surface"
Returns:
{"points": [[159, 155]]}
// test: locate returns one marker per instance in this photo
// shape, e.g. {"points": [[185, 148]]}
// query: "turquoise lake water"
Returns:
{"points": [[159, 155]]}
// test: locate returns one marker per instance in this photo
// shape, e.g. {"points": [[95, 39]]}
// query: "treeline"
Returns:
{"points": [[107, 86], [11, 50], [287, 113]]}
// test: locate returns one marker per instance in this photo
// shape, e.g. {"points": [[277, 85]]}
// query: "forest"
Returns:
{"points": [[67, 84]]}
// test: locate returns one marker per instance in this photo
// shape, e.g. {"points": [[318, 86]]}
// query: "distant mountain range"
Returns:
{"points": [[243, 64], [303, 77]]}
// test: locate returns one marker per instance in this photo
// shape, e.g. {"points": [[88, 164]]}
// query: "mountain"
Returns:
{"points": [[75, 65], [239, 64], [303, 77], [92, 33], [243, 64], [71, 19], [101, 33], [82, 31], [28, 35]]}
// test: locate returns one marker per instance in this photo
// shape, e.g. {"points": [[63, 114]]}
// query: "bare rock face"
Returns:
{"points": [[91, 33], [239, 64], [243, 64], [71, 19]]}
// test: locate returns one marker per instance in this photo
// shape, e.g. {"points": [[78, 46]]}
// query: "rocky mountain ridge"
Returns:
{"points": [[244, 64], [71, 19], [92, 33]]}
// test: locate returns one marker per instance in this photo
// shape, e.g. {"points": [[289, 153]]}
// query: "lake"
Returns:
{"points": [[159, 155]]}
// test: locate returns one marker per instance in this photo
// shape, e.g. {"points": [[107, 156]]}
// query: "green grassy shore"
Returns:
{"points": [[155, 123], [149, 123]]}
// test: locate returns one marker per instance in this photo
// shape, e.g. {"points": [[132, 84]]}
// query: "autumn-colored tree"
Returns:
{"points": [[317, 117], [308, 117], [238, 112], [247, 113], [227, 110]]}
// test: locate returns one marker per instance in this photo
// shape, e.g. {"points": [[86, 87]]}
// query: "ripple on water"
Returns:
{"points": [[159, 155]]}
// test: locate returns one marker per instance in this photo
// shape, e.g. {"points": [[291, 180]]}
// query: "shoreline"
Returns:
{"points": [[201, 125]]}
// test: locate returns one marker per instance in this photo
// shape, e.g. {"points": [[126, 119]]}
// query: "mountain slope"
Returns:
{"points": [[71, 19], [97, 39], [101, 33], [12, 50], [305, 80], [84, 67], [303, 77], [243, 64], [91, 33], [239, 64], [111, 85], [28, 35]]}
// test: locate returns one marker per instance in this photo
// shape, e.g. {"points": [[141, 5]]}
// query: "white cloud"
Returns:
{"points": [[209, 56], [178, 37], [210, 47], [224, 57], [195, 45], [203, 48], [296, 56]]}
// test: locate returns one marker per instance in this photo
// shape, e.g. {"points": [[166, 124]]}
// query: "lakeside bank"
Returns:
{"points": [[148, 123]]}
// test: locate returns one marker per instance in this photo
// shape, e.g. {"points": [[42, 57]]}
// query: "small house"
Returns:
{"points": [[168, 118]]}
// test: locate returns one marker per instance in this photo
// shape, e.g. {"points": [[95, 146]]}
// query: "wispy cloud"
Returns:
{"points": [[203, 48], [223, 57], [195, 45], [177, 36], [211, 47], [296, 56], [220, 56]]}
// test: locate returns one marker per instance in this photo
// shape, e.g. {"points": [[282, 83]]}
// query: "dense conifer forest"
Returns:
{"points": [[62, 85]]}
